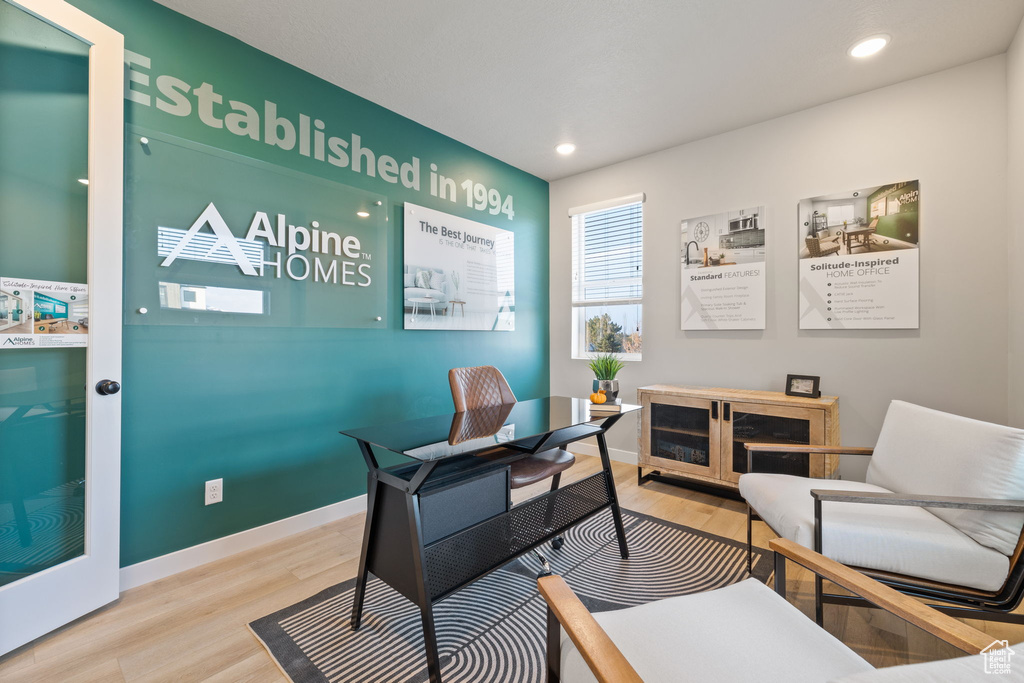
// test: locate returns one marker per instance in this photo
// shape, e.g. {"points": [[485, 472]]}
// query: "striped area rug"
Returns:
{"points": [[493, 630], [52, 532]]}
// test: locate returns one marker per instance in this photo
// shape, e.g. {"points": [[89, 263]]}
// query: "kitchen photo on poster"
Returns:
{"points": [[859, 258], [722, 262], [458, 274], [43, 314]]}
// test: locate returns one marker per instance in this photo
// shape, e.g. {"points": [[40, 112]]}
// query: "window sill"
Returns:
{"points": [[625, 357]]}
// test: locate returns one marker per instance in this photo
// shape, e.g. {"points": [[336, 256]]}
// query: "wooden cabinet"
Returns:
{"points": [[699, 432]]}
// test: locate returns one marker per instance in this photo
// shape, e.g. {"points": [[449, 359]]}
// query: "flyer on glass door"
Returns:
{"points": [[43, 314], [859, 259]]}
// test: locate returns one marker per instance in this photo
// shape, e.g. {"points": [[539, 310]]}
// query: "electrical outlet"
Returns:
{"points": [[214, 491]]}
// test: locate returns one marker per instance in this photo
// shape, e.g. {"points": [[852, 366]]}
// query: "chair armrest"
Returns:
{"points": [[801, 448], [918, 500], [945, 627], [599, 652]]}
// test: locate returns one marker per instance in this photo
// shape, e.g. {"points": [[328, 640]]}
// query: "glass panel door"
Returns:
{"points": [[61, 131], [752, 423], [44, 126], [683, 432]]}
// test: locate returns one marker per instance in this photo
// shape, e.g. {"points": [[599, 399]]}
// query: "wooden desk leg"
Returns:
{"points": [[372, 486], [423, 596], [620, 530]]}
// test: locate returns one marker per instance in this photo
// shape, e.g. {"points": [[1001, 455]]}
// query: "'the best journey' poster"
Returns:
{"points": [[458, 274], [723, 271], [859, 259]]}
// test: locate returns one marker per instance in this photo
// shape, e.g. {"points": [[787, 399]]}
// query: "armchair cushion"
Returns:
{"points": [[739, 633], [926, 451], [904, 540]]}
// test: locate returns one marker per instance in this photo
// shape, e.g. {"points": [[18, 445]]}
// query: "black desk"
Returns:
{"points": [[445, 519]]}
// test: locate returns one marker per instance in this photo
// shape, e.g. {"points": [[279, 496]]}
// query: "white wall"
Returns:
{"points": [[1015, 196], [948, 130]]}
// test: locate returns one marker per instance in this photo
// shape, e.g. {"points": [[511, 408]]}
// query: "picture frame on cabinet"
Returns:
{"points": [[806, 386]]}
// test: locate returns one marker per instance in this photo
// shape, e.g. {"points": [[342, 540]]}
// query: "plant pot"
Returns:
{"points": [[610, 386]]}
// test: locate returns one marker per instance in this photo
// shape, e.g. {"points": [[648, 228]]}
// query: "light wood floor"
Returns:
{"points": [[192, 626]]}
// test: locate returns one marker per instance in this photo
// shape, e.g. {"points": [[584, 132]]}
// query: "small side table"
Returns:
{"points": [[422, 300], [462, 307]]}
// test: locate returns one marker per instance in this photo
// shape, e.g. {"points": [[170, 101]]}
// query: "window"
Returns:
{"points": [[607, 278], [839, 213]]}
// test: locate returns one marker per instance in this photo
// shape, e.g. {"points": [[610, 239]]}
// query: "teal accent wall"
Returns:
{"points": [[261, 407], [904, 224]]}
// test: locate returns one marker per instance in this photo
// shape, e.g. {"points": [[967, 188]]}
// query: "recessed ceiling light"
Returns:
{"points": [[869, 46], [363, 214], [566, 148], [84, 181]]}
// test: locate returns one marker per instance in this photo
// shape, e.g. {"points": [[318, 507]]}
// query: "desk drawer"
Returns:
{"points": [[467, 555], [461, 504]]}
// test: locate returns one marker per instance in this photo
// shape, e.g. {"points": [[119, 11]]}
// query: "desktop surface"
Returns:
{"points": [[455, 434]]}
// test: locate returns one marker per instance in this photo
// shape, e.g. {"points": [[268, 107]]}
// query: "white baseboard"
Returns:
{"points": [[616, 454], [219, 548], [161, 567]]}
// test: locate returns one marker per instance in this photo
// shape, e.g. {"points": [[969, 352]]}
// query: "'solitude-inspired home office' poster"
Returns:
{"points": [[723, 271], [859, 259], [43, 314], [458, 274]]}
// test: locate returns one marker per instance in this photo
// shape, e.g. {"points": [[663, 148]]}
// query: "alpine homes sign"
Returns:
{"points": [[271, 247]]}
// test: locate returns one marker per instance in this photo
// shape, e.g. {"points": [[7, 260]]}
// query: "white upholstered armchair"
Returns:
{"points": [[744, 632], [940, 515]]}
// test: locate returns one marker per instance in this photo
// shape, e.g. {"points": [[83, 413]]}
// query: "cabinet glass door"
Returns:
{"points": [[744, 423], [683, 434]]}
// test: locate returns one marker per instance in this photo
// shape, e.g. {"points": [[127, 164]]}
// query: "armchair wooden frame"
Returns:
{"points": [[964, 602], [609, 665]]}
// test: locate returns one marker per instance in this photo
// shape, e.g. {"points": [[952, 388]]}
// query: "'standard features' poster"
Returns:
{"points": [[723, 271]]}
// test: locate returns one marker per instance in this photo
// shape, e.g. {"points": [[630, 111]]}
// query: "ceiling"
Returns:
{"points": [[620, 78]]}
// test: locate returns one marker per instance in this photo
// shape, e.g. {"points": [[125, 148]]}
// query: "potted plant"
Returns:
{"points": [[605, 366]]}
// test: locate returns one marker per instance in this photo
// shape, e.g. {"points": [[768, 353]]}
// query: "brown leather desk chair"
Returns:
{"points": [[484, 386]]}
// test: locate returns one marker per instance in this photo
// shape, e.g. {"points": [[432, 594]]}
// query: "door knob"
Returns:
{"points": [[107, 387]]}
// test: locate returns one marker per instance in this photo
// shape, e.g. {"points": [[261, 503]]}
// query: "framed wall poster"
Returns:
{"points": [[722, 261], [859, 259], [458, 274], [43, 314]]}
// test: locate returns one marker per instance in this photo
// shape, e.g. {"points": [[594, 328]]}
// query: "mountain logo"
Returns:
{"points": [[18, 341], [196, 246]]}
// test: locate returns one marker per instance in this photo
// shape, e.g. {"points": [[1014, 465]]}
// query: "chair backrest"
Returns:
{"points": [[926, 451], [478, 387], [813, 246], [478, 423]]}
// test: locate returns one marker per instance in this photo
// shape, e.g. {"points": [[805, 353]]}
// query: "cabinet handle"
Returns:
{"points": [[714, 410], [727, 413]]}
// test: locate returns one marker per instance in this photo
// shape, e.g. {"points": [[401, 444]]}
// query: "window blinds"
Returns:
{"points": [[608, 255]]}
